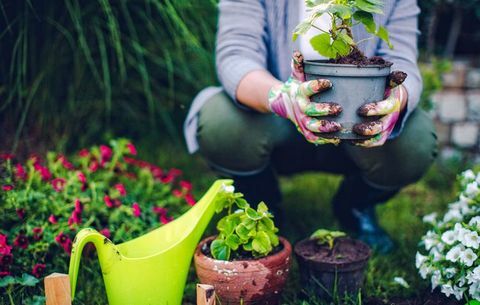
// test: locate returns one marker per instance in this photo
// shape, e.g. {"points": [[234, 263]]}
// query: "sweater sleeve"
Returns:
{"points": [[241, 41], [402, 26]]}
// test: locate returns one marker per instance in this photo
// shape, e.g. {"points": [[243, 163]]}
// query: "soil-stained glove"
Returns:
{"points": [[291, 100], [388, 110]]}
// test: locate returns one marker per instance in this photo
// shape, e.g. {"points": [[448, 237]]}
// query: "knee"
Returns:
{"points": [[228, 137]]}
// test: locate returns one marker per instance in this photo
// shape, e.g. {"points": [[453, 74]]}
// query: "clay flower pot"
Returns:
{"points": [[332, 272], [252, 281]]}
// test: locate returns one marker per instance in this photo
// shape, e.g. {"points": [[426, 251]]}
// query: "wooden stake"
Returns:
{"points": [[206, 295], [57, 289]]}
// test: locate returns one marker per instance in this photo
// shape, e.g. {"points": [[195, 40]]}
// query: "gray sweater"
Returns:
{"points": [[257, 35]]}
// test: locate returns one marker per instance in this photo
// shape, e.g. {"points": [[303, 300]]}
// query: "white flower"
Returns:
{"points": [[474, 291], [468, 257], [475, 222], [228, 188], [436, 254], [449, 237], [473, 276], [450, 272], [420, 260], [461, 206], [401, 281], [468, 175], [454, 254], [472, 190], [430, 218], [453, 214], [424, 271], [458, 292], [436, 279], [430, 240], [447, 289], [478, 178], [471, 239]]}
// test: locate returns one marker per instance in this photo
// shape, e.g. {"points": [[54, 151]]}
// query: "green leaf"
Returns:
{"points": [[367, 20], [382, 33], [7, 281], [340, 47], [268, 223], [301, 29], [248, 246], [252, 214], [249, 223], [261, 244], [321, 44], [220, 250], [273, 238], [370, 6], [242, 231], [262, 208], [233, 241], [346, 39], [342, 11], [28, 280], [242, 203]]}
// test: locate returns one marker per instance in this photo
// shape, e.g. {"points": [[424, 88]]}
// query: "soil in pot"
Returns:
{"points": [[245, 280], [332, 272]]}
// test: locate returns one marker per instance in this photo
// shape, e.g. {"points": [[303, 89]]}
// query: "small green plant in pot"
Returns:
{"points": [[332, 264], [356, 79], [246, 262]]}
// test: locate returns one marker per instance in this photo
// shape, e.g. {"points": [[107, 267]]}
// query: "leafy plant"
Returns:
{"points": [[339, 41], [326, 237], [243, 229]]}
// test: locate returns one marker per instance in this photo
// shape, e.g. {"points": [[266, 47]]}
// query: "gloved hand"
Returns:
{"points": [[291, 100], [389, 110]]}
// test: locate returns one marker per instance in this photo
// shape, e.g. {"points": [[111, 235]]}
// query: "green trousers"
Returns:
{"points": [[253, 148]]}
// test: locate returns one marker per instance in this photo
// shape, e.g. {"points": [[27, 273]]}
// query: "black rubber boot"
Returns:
{"points": [[354, 206]]}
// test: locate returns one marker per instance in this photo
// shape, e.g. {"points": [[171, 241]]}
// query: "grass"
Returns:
{"points": [[307, 202]]}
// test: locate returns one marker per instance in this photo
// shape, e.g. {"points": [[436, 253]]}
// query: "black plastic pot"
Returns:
{"points": [[329, 279], [353, 86]]}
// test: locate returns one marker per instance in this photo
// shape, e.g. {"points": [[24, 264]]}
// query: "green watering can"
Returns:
{"points": [[151, 269]]}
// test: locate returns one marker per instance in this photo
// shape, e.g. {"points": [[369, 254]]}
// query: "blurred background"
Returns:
{"points": [[74, 72]]}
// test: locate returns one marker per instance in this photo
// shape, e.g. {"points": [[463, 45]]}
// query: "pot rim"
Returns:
{"points": [[286, 251], [324, 62], [343, 265]]}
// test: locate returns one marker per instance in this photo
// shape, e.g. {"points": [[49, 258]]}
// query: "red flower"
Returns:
{"points": [[83, 153], [63, 240], [37, 233], [58, 184], [165, 219], [93, 167], [81, 177], [108, 201], [129, 160], [4, 273], [190, 200], [105, 154], [7, 187], [136, 210], [121, 189], [177, 193], [20, 213], [159, 210], [20, 172], [186, 185], [44, 172], [167, 178], [162, 212], [105, 232], [75, 217], [5, 249], [65, 163], [6, 157], [131, 149], [21, 241], [52, 219], [38, 270], [78, 206], [157, 172]]}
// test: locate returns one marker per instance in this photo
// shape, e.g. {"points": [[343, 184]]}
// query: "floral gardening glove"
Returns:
{"points": [[291, 100], [388, 110]]}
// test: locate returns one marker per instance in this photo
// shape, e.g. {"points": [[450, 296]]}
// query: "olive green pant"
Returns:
{"points": [[242, 144]]}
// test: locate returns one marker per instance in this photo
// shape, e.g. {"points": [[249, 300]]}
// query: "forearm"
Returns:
{"points": [[253, 90]]}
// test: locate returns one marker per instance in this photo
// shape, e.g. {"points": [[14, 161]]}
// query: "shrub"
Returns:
{"points": [[44, 204]]}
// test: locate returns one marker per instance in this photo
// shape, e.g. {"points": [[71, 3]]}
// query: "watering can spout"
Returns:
{"points": [[106, 250]]}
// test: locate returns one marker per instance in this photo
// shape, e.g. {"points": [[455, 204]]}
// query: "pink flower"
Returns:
{"points": [[157, 172], [6, 157], [159, 210], [81, 177], [93, 167], [38, 270], [105, 232], [186, 185], [108, 201], [129, 160], [20, 172], [44, 172], [52, 219], [20, 213], [136, 210], [83, 153], [5, 249], [177, 193], [78, 206], [65, 163], [121, 189], [58, 184], [7, 187], [63, 240], [131, 149], [4, 273], [105, 154], [162, 212], [75, 217], [21, 241], [164, 219], [190, 200], [37, 233]]}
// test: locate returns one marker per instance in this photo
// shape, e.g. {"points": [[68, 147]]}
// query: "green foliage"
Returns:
{"points": [[432, 80], [326, 237], [338, 41], [243, 229]]}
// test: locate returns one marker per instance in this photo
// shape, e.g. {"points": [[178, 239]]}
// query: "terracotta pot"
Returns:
{"points": [[329, 277], [255, 281]]}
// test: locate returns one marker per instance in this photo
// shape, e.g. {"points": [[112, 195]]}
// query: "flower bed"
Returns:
{"points": [[43, 204]]}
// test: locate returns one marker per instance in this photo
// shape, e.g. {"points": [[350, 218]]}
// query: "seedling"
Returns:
{"points": [[326, 237]]}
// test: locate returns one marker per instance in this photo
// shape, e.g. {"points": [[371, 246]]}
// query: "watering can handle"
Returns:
{"points": [[82, 238]]}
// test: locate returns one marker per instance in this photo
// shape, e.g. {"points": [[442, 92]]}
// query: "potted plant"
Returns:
{"points": [[331, 263], [246, 261], [356, 79]]}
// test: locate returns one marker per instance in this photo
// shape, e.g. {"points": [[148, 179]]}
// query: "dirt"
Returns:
{"points": [[240, 255], [426, 298], [356, 57], [345, 250]]}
